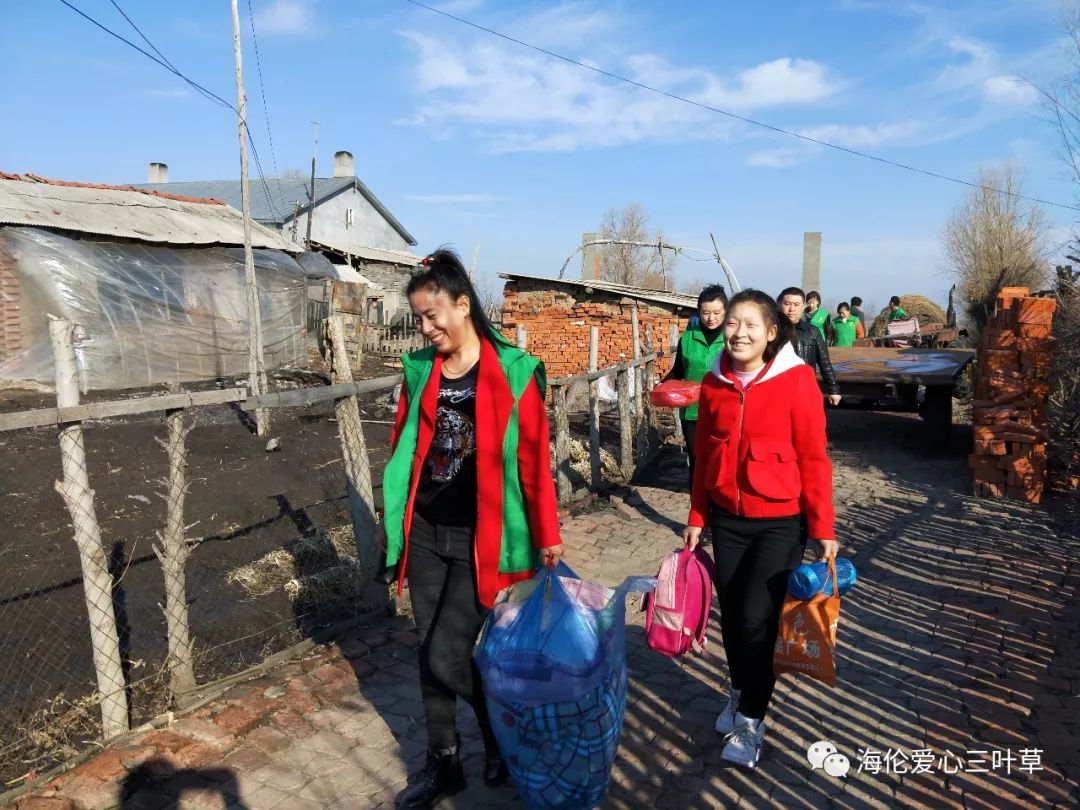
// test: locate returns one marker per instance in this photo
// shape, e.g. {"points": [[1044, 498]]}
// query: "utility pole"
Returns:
{"points": [[311, 208], [256, 369]]}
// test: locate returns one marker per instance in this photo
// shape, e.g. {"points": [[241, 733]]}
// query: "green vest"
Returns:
{"points": [[699, 357], [845, 330], [818, 321], [517, 553]]}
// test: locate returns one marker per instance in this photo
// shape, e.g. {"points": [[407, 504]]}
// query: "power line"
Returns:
{"points": [[262, 88], [736, 116], [165, 63]]}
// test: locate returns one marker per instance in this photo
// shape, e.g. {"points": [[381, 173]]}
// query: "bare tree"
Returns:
{"points": [[633, 264], [994, 239], [293, 174]]}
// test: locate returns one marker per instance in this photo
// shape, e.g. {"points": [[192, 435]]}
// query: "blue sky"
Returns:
{"points": [[504, 152]]}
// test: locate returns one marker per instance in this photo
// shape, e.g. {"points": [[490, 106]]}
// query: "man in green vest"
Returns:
{"points": [[846, 328], [698, 349]]}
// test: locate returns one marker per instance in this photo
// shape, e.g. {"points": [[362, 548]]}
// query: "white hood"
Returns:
{"points": [[785, 360]]}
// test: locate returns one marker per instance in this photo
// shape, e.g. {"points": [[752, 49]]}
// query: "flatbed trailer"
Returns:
{"points": [[917, 380]]}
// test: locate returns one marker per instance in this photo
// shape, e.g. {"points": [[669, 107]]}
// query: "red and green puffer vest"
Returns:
{"points": [[502, 536]]}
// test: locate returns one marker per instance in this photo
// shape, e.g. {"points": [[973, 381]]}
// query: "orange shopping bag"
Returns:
{"points": [[806, 641]]}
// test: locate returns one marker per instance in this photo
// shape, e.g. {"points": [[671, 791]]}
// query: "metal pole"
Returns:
{"points": [[256, 370], [311, 208]]}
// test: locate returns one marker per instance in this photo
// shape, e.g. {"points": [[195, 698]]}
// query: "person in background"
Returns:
{"points": [[470, 402], [698, 348], [856, 310], [808, 342], [763, 475], [896, 312], [818, 317], [846, 328]]}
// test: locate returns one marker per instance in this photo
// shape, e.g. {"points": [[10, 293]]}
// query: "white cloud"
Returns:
{"points": [[518, 101], [776, 158], [454, 199], [862, 136], [286, 17], [1009, 91]]}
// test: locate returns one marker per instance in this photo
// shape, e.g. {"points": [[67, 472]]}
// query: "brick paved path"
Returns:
{"points": [[961, 636]]}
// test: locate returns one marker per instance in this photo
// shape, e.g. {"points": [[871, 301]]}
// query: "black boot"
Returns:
{"points": [[442, 776], [495, 770]]}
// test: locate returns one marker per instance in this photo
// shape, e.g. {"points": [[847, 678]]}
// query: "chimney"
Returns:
{"points": [[158, 173], [343, 165]]}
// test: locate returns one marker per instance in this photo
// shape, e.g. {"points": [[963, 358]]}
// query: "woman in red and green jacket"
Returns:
{"points": [[470, 402], [762, 469]]}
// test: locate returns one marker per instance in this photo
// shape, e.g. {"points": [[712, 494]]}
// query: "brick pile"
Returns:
{"points": [[557, 322], [1015, 358]]}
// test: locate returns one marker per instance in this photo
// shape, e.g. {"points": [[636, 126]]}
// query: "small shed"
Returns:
{"points": [[558, 313], [155, 281]]}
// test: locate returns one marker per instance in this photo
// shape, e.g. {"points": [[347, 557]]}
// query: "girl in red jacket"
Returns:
{"points": [[761, 469]]}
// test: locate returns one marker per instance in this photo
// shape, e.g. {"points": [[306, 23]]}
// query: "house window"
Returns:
{"points": [[349, 212]]}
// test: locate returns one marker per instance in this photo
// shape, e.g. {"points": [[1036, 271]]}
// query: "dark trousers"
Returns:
{"points": [[442, 587], [689, 432], [753, 560]]}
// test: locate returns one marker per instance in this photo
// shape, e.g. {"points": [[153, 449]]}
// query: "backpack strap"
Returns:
{"points": [[700, 639]]}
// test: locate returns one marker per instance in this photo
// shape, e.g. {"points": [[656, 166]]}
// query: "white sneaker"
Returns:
{"points": [[743, 745], [725, 721]]}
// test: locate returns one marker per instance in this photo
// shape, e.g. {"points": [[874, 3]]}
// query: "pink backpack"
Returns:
{"points": [[677, 612]]}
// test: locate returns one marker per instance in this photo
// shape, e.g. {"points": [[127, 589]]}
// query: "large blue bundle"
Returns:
{"points": [[552, 659]]}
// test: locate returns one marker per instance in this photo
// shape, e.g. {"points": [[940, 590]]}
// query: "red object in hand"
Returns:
{"points": [[675, 394]]}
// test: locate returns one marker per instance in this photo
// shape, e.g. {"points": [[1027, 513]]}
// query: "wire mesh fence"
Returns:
{"points": [[216, 550]]}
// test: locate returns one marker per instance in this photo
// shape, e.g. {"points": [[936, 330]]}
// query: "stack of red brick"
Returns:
{"points": [[1014, 362]]}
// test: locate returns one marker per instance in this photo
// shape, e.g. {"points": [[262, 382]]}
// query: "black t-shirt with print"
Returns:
{"points": [[446, 494]]}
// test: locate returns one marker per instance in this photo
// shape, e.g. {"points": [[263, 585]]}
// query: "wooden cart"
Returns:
{"points": [[916, 380]]}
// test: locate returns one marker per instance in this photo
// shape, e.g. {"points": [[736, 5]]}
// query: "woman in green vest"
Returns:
{"points": [[470, 401], [816, 316], [699, 347], [846, 328]]}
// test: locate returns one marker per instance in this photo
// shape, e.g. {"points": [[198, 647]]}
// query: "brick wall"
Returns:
{"points": [[10, 299], [557, 319]]}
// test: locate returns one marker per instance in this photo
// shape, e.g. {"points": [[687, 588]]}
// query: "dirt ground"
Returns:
{"points": [[243, 502]]}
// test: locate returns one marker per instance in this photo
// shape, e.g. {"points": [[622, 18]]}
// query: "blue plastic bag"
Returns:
{"points": [[552, 660], [810, 579]]}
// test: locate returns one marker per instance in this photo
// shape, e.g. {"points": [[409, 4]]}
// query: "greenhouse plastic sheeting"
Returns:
{"points": [[146, 314]]}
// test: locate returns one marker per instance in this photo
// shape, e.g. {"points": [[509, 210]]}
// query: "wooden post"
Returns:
{"points": [[256, 367], [639, 378], [674, 348], [354, 452], [626, 424], [173, 553], [562, 444], [522, 337], [650, 381], [595, 466], [97, 582]]}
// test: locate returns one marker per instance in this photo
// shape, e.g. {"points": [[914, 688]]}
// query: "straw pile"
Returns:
{"points": [[320, 567], [915, 306]]}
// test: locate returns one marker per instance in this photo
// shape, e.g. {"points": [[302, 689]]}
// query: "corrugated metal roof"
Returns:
{"points": [[383, 255], [669, 297], [275, 200], [128, 213]]}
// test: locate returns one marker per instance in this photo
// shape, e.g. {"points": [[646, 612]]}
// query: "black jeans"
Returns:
{"points": [[689, 432], [753, 559], [442, 587]]}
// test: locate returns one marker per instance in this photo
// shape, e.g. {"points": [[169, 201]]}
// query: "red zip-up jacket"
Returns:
{"points": [[761, 450]]}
